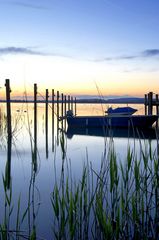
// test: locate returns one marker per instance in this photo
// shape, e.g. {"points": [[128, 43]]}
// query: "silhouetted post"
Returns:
{"points": [[46, 121], [8, 91], [35, 126], [9, 133], [58, 96], [72, 104], [65, 108], [68, 102], [65, 105], [75, 106], [57, 117], [157, 105], [150, 96], [53, 109], [145, 104], [62, 109]]}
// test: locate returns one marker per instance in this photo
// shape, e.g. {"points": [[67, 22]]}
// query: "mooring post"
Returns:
{"points": [[68, 102], [8, 108], [9, 133], [157, 105], [53, 109], [75, 106], [46, 121], [35, 122], [62, 109], [65, 105], [145, 102], [57, 110], [150, 107], [72, 104]]}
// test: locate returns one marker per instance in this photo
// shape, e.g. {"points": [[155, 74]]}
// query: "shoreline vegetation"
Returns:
{"points": [[87, 101]]}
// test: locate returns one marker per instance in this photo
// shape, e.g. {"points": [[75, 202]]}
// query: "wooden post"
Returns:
{"points": [[57, 110], [145, 104], [46, 121], [75, 106], [35, 128], [72, 104], [157, 105], [8, 91], [9, 134], [68, 102], [150, 107], [65, 105], [62, 110], [53, 109]]}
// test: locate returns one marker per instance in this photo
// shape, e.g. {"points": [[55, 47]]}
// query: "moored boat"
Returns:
{"points": [[121, 111], [140, 121]]}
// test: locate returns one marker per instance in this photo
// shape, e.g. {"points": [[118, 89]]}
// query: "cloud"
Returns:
{"points": [[18, 50], [150, 53], [27, 5], [144, 54]]}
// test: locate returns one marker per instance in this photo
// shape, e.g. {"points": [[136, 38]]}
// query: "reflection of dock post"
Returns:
{"points": [[53, 109], [145, 104], [9, 134], [46, 121], [35, 122], [150, 96]]}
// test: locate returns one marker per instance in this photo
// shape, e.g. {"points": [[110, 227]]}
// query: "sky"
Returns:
{"points": [[80, 47]]}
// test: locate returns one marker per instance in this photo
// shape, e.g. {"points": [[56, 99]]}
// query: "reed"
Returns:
{"points": [[122, 204]]}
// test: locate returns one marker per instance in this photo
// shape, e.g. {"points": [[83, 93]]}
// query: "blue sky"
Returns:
{"points": [[73, 45]]}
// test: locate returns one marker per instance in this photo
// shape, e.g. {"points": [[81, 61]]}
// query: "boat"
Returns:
{"points": [[121, 111], [125, 121]]}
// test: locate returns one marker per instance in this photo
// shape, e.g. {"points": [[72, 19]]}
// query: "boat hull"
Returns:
{"points": [[141, 121]]}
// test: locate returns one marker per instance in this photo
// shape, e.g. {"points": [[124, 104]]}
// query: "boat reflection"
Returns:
{"points": [[150, 133]]}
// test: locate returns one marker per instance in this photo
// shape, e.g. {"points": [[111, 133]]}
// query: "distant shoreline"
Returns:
{"points": [[88, 101]]}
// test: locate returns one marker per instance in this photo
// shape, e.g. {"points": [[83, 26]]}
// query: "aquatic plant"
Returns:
{"points": [[120, 201]]}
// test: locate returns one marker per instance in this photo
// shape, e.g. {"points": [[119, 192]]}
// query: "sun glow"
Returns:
{"points": [[73, 76]]}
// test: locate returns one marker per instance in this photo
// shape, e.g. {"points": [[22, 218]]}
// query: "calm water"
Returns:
{"points": [[81, 146]]}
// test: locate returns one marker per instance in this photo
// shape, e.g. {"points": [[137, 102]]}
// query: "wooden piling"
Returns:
{"points": [[157, 105], [9, 134], [57, 100], [145, 102], [150, 106], [75, 106], [72, 104], [46, 121], [68, 101], [35, 128], [8, 107], [62, 109], [65, 109], [53, 115], [35, 114]]}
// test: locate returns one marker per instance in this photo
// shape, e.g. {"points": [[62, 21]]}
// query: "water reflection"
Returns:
{"points": [[113, 132]]}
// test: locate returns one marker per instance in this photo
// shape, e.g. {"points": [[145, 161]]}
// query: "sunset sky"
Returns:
{"points": [[80, 47]]}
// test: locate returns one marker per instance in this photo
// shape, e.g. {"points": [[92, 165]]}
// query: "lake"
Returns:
{"points": [[32, 179]]}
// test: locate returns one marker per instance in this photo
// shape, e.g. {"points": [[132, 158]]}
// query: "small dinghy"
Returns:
{"points": [[121, 111]]}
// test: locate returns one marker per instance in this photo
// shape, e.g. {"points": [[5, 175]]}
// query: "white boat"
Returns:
{"points": [[121, 111]]}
